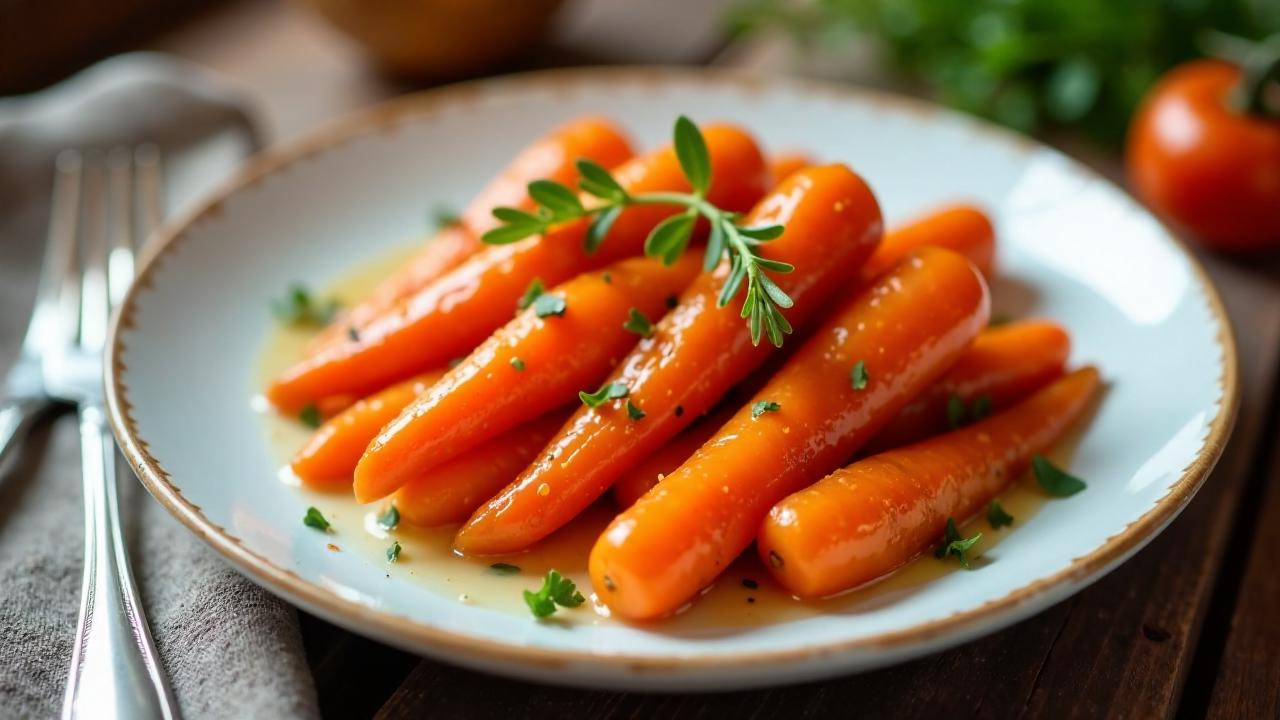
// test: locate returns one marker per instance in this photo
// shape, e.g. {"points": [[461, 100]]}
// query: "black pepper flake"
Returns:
{"points": [[751, 599], [672, 301], [353, 334], [608, 584], [679, 410], [750, 584]]}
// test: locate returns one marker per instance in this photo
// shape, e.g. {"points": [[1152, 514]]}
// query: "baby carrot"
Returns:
{"points": [[450, 492], [854, 373], [637, 480], [449, 317], [330, 456], [1002, 366], [552, 156], [782, 165], [699, 351], [962, 228], [529, 366], [864, 520]]}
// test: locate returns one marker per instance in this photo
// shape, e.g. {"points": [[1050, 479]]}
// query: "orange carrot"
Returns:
{"points": [[449, 317], [783, 165], [1003, 365], [853, 375], [832, 222], [650, 471], [873, 516], [330, 456], [962, 228], [450, 492], [552, 156], [526, 368]]}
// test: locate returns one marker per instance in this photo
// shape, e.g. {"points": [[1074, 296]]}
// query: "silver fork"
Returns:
{"points": [[115, 670]]}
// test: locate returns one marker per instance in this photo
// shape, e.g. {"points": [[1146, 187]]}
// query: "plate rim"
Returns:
{"points": [[409, 632]]}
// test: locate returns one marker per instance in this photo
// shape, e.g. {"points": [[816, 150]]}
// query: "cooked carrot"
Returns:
{"points": [[1003, 365], [329, 458], [962, 228], [449, 317], [650, 471], [526, 368], [553, 156], [783, 165], [869, 518], [699, 351], [450, 492], [853, 375]]}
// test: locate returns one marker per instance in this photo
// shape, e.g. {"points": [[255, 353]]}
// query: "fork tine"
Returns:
{"points": [[52, 304], [147, 164], [94, 306], [120, 245]]}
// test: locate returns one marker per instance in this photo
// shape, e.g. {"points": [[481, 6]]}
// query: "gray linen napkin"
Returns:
{"points": [[231, 649]]}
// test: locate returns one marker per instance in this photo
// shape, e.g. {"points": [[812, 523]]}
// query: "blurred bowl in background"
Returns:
{"points": [[440, 39]]}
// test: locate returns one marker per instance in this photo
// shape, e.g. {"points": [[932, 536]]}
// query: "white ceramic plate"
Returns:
{"points": [[1072, 247]]}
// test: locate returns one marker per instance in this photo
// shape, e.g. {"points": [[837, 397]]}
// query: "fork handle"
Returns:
{"points": [[115, 670], [17, 415]]}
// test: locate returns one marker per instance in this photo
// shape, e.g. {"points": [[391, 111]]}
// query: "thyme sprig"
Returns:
{"points": [[557, 203]]}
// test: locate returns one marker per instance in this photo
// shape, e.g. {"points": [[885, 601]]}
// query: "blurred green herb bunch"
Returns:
{"points": [[1023, 63]]}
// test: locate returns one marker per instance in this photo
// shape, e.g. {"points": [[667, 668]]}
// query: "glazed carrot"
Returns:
{"points": [[699, 351], [782, 165], [864, 520], [450, 492], [1004, 364], [330, 456], [962, 228], [526, 368], [449, 317], [638, 480], [853, 375], [552, 156]]}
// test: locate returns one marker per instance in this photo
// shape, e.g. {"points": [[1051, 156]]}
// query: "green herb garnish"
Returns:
{"points": [[608, 391], [314, 519], [393, 552], [504, 569], [531, 293], [556, 590], [299, 307], [443, 216], [997, 517], [390, 518], [981, 408], [517, 363], [634, 412], [547, 305], [669, 239], [954, 544], [638, 323], [1055, 481], [956, 411], [858, 376], [309, 415], [764, 406]]}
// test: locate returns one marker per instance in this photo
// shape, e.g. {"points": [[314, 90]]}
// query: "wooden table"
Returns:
{"points": [[1191, 625]]}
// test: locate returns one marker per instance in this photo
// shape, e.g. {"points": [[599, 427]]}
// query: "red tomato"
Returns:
{"points": [[1202, 164]]}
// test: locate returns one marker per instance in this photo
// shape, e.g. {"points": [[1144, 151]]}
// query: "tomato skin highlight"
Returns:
{"points": [[1202, 165]]}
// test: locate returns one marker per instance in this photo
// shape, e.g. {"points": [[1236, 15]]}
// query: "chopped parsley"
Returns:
{"points": [[634, 412], [455, 362], [997, 517], [531, 293], [954, 544], [858, 376], [504, 569], [517, 363], [764, 406], [638, 324], [443, 216], [393, 552], [353, 334], [300, 307], [390, 518], [959, 415], [981, 408], [314, 519], [310, 416], [556, 590], [1055, 481], [607, 278], [609, 391], [547, 305]]}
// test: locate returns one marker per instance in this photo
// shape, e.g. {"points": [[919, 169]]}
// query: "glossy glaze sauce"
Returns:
{"points": [[744, 596]]}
